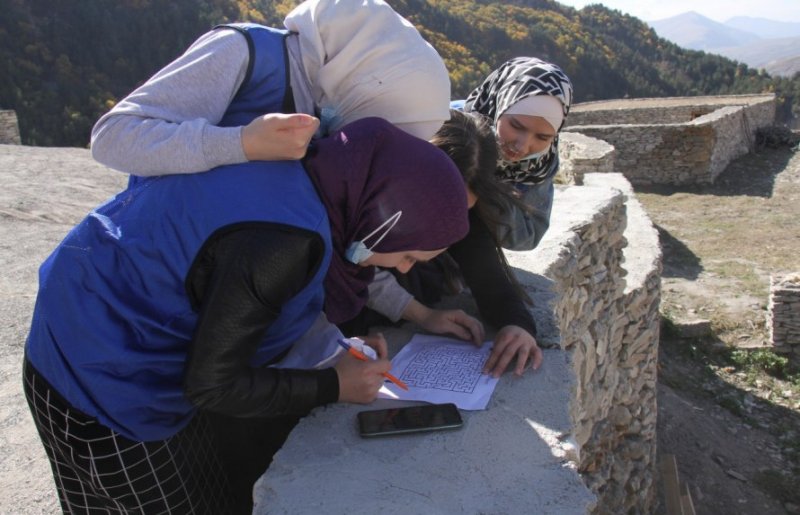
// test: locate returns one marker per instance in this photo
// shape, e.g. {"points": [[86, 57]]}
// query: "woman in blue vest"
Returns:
{"points": [[336, 61], [147, 365], [227, 100]]}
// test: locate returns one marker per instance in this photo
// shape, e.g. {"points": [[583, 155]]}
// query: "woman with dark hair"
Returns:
{"points": [[149, 365], [477, 259], [525, 102]]}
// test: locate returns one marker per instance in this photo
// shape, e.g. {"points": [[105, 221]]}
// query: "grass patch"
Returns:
{"points": [[744, 275], [732, 405], [762, 360], [762, 372], [779, 485]]}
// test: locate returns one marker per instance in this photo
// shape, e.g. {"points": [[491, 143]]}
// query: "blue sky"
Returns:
{"points": [[717, 10]]}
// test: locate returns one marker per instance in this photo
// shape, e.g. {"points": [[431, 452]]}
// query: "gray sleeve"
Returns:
{"points": [[387, 297], [523, 231], [168, 125]]}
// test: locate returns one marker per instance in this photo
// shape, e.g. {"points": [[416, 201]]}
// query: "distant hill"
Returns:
{"points": [[756, 42], [784, 67], [760, 53], [695, 31], [765, 28], [63, 64]]}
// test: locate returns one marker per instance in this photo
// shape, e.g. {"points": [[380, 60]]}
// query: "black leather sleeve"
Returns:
{"points": [[239, 281], [498, 301]]}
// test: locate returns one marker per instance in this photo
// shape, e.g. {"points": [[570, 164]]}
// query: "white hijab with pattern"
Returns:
{"points": [[514, 80]]}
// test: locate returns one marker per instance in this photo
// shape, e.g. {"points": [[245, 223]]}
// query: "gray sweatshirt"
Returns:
{"points": [[168, 125]]}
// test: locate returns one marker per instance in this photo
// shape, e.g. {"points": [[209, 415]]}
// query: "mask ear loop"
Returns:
{"points": [[391, 221]]}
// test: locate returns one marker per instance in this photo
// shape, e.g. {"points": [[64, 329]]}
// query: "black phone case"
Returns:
{"points": [[409, 419]]}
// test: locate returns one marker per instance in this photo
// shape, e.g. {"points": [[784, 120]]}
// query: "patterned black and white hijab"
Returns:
{"points": [[514, 80]]}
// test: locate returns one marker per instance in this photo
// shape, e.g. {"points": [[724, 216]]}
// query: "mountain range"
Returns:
{"points": [[758, 42]]}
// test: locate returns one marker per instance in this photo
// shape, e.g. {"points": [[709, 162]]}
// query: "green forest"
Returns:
{"points": [[65, 63]]}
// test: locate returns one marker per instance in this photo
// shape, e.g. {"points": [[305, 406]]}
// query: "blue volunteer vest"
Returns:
{"points": [[113, 320]]}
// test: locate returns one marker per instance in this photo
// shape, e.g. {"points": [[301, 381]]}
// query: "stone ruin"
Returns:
{"points": [[9, 128], [783, 314], [679, 140]]}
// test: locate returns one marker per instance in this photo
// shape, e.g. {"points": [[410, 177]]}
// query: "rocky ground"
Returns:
{"points": [[45, 192], [729, 408]]}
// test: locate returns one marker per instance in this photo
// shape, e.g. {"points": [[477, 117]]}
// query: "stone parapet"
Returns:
{"points": [[675, 141], [9, 128], [604, 275], [579, 154], [783, 314]]}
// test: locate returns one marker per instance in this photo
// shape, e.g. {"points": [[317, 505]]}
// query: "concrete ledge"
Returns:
{"points": [[577, 436], [513, 457]]}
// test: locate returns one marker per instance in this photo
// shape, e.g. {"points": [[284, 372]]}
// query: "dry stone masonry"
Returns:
{"points": [[604, 274], [686, 140], [9, 128], [783, 314], [579, 155]]}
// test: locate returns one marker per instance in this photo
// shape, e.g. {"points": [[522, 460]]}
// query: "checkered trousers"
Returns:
{"points": [[97, 470]]}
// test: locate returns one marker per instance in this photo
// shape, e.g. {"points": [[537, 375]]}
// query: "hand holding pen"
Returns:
{"points": [[359, 381], [360, 355]]}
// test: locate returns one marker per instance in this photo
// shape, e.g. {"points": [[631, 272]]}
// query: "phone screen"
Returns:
{"points": [[409, 419]]}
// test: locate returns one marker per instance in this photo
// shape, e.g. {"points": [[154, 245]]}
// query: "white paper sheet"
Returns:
{"points": [[440, 370]]}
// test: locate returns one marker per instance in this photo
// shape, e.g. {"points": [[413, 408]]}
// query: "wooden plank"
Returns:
{"points": [[672, 493], [686, 499]]}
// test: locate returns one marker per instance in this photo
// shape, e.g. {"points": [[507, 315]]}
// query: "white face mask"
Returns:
{"points": [[358, 252], [328, 119]]}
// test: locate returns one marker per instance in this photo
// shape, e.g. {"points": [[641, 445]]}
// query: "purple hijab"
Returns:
{"points": [[365, 173]]}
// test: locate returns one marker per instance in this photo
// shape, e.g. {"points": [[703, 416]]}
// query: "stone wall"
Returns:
{"points": [[579, 155], [589, 415], [675, 141], [783, 315], [9, 128], [638, 115], [604, 276]]}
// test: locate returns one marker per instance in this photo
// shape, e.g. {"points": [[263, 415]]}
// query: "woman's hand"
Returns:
{"points": [[276, 136], [359, 381], [378, 343], [509, 342], [443, 321]]}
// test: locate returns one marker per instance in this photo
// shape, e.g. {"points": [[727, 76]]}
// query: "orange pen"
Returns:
{"points": [[363, 357]]}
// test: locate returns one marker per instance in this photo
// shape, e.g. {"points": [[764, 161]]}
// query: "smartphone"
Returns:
{"points": [[409, 419]]}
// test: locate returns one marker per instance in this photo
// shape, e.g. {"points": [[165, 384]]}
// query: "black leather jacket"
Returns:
{"points": [[239, 282]]}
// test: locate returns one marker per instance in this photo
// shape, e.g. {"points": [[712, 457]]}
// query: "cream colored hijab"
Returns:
{"points": [[363, 59]]}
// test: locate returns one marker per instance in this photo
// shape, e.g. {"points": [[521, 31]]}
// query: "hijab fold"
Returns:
{"points": [[364, 174], [513, 81], [363, 59]]}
